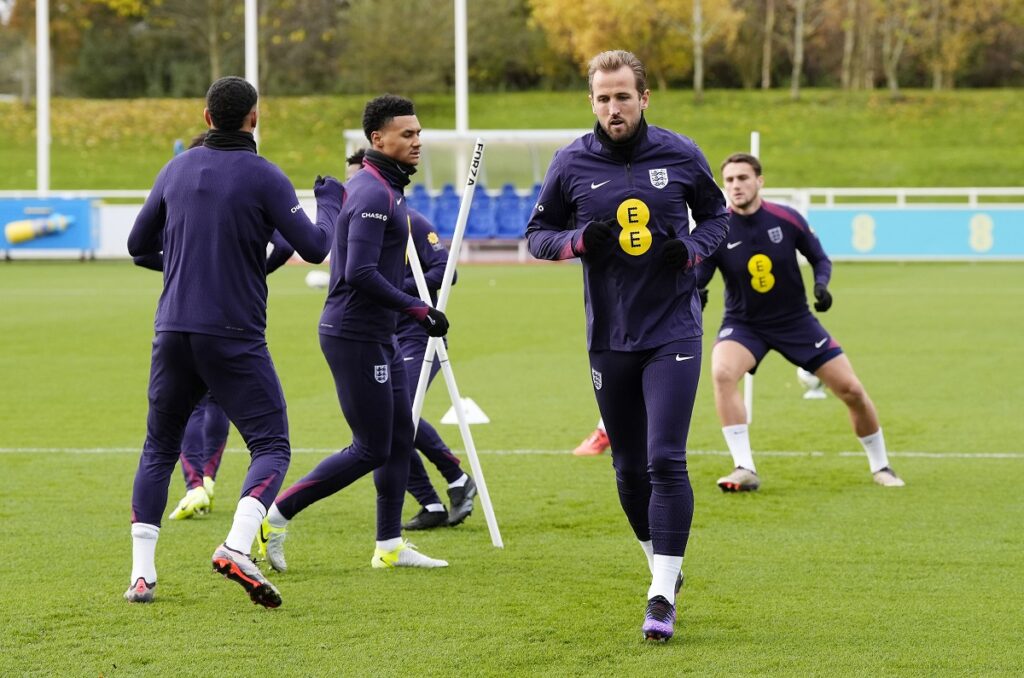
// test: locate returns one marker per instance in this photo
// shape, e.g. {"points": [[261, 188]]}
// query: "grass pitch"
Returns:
{"points": [[819, 573]]}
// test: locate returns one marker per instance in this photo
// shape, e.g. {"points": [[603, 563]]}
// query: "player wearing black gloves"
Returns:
{"points": [[357, 336], [766, 308]]}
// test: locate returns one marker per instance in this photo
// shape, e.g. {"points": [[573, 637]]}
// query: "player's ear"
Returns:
{"points": [[208, 118]]}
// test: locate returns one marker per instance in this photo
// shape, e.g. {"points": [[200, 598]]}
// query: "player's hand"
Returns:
{"points": [[702, 292], [327, 186], [824, 298], [673, 254], [434, 323], [598, 236]]}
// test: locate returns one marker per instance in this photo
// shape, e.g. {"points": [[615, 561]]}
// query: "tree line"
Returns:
{"points": [[136, 48]]}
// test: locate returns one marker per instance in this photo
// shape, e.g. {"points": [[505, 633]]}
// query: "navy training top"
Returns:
{"points": [[212, 213], [759, 264], [368, 261], [433, 258], [632, 302]]}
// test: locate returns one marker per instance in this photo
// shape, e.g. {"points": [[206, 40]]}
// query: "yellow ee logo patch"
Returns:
{"points": [[761, 278], [432, 238], [981, 239], [633, 216]]}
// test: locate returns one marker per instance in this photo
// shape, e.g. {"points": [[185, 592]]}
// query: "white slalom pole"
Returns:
{"points": [[449, 273], [748, 378], [456, 398]]}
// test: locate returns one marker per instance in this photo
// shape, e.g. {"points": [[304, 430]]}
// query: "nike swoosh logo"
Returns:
{"points": [[408, 359], [733, 244], [819, 344], [399, 201], [593, 185], [681, 358]]}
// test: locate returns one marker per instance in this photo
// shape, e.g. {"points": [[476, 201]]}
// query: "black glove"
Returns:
{"points": [[673, 254], [702, 292], [598, 236], [824, 298], [435, 323]]}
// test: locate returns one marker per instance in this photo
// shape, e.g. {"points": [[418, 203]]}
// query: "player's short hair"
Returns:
{"points": [[356, 158], [229, 100], [613, 60], [382, 110], [743, 157], [198, 140]]}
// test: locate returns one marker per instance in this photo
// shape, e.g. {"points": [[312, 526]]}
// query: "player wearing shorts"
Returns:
{"points": [[766, 309]]}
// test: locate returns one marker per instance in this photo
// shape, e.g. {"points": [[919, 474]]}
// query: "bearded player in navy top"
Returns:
{"points": [[765, 309], [357, 336], [618, 199], [212, 211]]}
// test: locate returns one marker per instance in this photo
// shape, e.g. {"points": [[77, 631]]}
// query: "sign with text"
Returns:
{"points": [[926, 232]]}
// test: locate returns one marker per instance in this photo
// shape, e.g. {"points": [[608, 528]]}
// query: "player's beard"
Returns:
{"points": [[630, 130], [745, 204]]}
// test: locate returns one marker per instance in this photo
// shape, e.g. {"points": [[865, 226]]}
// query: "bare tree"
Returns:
{"points": [[849, 25], [766, 46], [899, 21], [698, 51], [799, 9]]}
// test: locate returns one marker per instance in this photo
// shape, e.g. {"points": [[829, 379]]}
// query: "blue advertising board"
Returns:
{"points": [[909, 232], [48, 223]]}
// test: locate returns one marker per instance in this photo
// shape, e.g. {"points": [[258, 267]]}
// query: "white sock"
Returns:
{"points": [[738, 439], [275, 518], [434, 508], [389, 544], [664, 574], [600, 426], [648, 547], [874, 445], [248, 516], [460, 482], [144, 538]]}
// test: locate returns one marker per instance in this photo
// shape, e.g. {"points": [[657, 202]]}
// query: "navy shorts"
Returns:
{"points": [[803, 341]]}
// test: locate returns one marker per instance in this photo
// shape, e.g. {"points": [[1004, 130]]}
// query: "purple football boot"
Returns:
{"points": [[660, 619]]}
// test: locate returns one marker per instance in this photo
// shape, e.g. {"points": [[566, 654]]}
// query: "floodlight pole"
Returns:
{"points": [[461, 82], [42, 97], [252, 51]]}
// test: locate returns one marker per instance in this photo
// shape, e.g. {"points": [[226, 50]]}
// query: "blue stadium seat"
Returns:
{"points": [[481, 215], [508, 214], [420, 200], [446, 211]]}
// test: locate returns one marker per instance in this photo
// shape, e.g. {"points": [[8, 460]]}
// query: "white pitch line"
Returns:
{"points": [[527, 452]]}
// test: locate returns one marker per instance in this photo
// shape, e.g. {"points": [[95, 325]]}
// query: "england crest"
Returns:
{"points": [[775, 234], [659, 178], [596, 376], [380, 373]]}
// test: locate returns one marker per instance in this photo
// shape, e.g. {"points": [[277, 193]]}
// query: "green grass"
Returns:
{"points": [[829, 138], [819, 573]]}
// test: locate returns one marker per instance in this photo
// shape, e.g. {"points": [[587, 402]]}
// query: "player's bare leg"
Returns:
{"points": [[730, 360], [839, 376]]}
